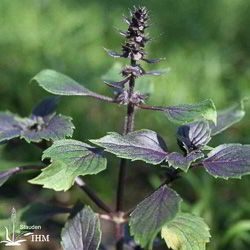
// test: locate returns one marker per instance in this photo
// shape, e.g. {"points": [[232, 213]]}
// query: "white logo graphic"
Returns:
{"points": [[14, 239]]}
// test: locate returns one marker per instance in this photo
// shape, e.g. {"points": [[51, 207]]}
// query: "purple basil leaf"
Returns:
{"points": [[152, 213], [177, 160], [227, 118], [52, 127], [46, 106], [113, 53], [155, 60], [228, 161], [9, 127], [193, 135], [118, 84], [145, 145], [82, 232]]}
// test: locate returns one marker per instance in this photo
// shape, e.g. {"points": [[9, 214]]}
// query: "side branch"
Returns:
{"points": [[92, 195], [11, 171], [160, 108], [102, 97]]}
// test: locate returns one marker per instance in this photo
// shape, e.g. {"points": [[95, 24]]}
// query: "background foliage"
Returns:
{"points": [[206, 44]]}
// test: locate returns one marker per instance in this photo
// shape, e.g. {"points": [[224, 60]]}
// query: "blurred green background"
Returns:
{"points": [[206, 44]]}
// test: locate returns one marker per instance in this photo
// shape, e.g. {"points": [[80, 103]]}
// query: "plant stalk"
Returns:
{"points": [[128, 127]]}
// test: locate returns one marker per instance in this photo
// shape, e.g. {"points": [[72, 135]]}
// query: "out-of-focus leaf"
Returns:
{"points": [[33, 214], [46, 107], [9, 127], [152, 213], [59, 84], [186, 232], [38, 212], [186, 113], [82, 232], [145, 145], [177, 160], [228, 117], [235, 230], [52, 127], [70, 158], [193, 135], [228, 161]]}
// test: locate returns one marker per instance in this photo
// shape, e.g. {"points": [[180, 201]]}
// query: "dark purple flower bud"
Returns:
{"points": [[133, 48]]}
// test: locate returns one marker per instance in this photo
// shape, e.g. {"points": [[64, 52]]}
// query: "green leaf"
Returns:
{"points": [[177, 160], [77, 155], [59, 84], [186, 113], [152, 213], [227, 118], [70, 158], [186, 232], [145, 145], [55, 177], [82, 232]]}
